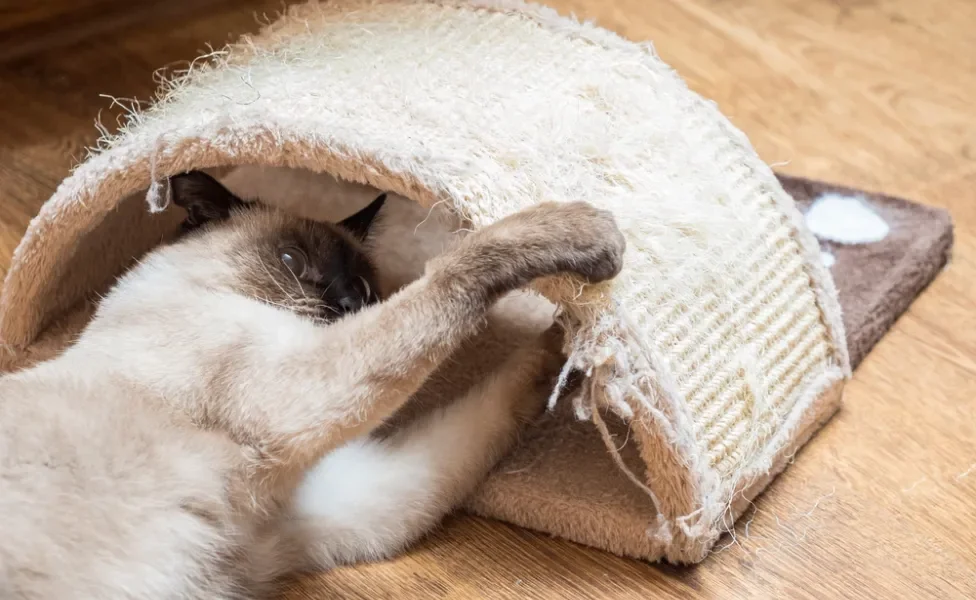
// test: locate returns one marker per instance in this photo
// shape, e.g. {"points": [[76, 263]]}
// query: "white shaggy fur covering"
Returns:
{"points": [[721, 343]]}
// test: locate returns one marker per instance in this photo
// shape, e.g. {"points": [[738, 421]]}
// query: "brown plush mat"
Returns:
{"points": [[877, 282], [562, 481]]}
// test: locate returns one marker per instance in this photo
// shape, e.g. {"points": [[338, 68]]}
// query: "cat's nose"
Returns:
{"points": [[350, 304]]}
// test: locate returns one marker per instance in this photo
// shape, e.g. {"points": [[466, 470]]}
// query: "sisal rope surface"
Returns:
{"points": [[562, 470]]}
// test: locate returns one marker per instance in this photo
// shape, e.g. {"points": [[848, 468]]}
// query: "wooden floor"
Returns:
{"points": [[871, 93]]}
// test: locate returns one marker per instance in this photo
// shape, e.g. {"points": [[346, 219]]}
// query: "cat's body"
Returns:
{"points": [[210, 430]]}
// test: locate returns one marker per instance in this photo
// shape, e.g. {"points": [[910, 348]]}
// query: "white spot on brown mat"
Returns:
{"points": [[827, 258], [845, 220]]}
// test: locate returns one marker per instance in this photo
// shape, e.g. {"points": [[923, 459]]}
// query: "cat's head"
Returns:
{"points": [[320, 270]]}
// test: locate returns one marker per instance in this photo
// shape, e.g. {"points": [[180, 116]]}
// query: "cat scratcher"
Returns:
{"points": [[717, 352]]}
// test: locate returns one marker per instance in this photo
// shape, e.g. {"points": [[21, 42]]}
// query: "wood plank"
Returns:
{"points": [[30, 27]]}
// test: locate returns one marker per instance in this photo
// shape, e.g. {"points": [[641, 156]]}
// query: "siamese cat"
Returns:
{"points": [[225, 418]]}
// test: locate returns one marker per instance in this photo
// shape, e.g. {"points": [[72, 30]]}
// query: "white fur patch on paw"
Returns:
{"points": [[827, 258], [845, 220]]}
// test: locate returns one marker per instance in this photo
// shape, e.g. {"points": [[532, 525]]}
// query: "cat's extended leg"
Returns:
{"points": [[298, 392], [370, 498]]}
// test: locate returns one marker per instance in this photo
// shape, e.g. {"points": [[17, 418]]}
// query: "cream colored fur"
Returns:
{"points": [[197, 443]]}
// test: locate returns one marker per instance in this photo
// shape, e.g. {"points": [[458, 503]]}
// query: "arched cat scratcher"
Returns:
{"points": [[720, 346]]}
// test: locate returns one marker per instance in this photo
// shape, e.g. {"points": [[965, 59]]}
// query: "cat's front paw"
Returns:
{"points": [[585, 239]]}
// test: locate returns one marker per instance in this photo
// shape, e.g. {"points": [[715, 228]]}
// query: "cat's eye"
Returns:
{"points": [[294, 259]]}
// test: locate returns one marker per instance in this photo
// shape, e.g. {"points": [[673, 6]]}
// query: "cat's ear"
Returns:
{"points": [[203, 197], [359, 223]]}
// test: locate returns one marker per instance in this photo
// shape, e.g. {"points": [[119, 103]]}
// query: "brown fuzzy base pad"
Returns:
{"points": [[878, 282]]}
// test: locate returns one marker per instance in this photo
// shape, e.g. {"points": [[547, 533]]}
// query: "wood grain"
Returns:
{"points": [[29, 27], [869, 93]]}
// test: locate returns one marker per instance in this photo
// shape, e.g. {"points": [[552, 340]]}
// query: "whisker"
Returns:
{"points": [[273, 303], [275, 281], [369, 291], [298, 282]]}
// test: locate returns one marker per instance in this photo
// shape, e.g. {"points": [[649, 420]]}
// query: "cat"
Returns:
{"points": [[225, 418]]}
